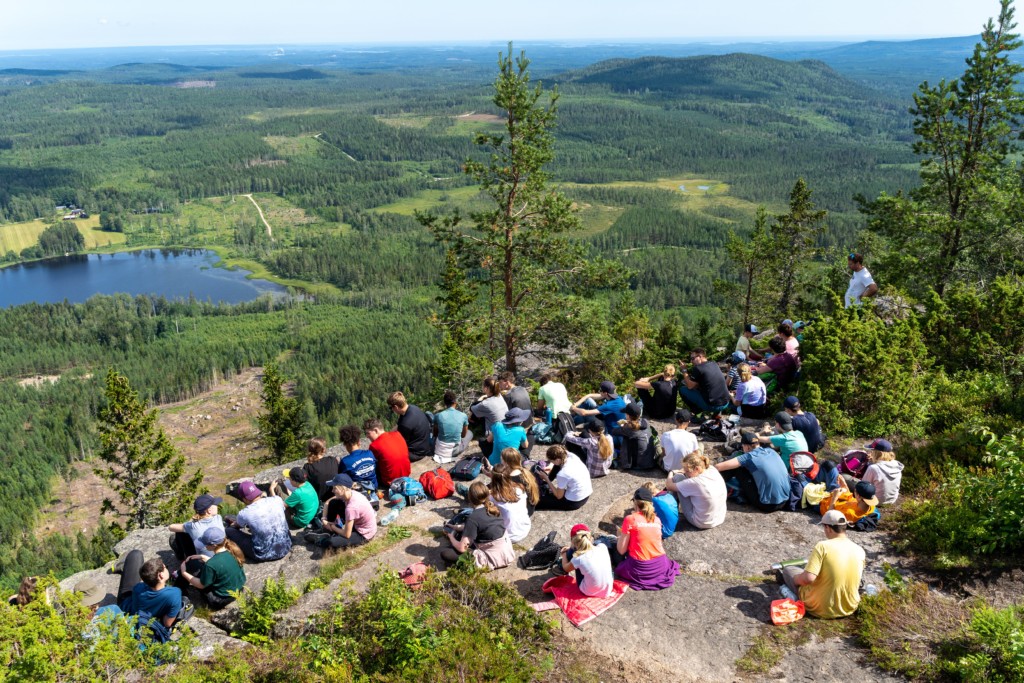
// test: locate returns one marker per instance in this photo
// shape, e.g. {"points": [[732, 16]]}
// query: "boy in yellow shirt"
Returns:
{"points": [[830, 583]]}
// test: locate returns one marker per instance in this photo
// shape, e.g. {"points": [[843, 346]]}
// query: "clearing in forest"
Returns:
{"points": [[17, 236]]}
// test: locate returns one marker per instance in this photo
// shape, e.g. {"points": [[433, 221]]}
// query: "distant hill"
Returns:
{"points": [[294, 75], [731, 77]]}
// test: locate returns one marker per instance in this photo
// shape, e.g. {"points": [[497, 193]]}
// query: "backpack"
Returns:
{"points": [[437, 483], [805, 463], [854, 463], [659, 450], [867, 523], [467, 468], [720, 431], [410, 489], [543, 433], [414, 575], [562, 426], [544, 554]]}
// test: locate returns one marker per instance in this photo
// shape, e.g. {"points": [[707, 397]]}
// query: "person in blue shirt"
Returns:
{"points": [[451, 430], [152, 600], [762, 476], [359, 464], [506, 434], [611, 409]]}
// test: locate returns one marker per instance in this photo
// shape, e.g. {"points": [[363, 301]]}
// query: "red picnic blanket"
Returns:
{"points": [[580, 608]]}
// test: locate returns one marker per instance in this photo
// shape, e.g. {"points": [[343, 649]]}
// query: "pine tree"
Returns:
{"points": [[793, 236], [282, 425], [520, 254], [142, 466]]}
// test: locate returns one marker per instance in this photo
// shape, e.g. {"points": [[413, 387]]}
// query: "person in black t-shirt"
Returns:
{"points": [[703, 388], [414, 425], [658, 393], [483, 526], [806, 423], [320, 468]]}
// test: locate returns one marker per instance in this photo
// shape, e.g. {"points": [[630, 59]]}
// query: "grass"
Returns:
{"points": [[17, 236], [426, 200], [292, 147], [769, 647], [342, 561]]}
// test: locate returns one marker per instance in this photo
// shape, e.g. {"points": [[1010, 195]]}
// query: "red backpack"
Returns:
{"points": [[437, 483]]}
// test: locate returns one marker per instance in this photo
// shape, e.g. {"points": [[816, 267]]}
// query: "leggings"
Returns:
{"points": [[548, 501]]}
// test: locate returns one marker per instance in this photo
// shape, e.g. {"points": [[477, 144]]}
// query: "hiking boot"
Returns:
{"points": [[317, 538]]}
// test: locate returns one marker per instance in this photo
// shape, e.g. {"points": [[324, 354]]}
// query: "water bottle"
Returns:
{"points": [[798, 562], [871, 589]]}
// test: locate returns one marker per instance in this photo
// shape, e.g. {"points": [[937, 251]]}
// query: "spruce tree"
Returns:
{"points": [[143, 468], [282, 425], [793, 236], [519, 255]]}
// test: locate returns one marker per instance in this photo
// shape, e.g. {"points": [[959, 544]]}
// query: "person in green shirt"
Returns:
{"points": [[788, 440], [302, 505], [222, 573]]}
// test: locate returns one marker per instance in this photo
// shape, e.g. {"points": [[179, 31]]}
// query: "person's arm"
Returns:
{"points": [[670, 483], [833, 498], [870, 291], [804, 578], [622, 543], [645, 383], [465, 428], [690, 384], [460, 544], [543, 476], [582, 411], [490, 436], [176, 528], [346, 530], [192, 579], [567, 565], [730, 464]]}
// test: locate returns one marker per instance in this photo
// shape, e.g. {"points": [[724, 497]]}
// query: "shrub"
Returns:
{"points": [[256, 613]]}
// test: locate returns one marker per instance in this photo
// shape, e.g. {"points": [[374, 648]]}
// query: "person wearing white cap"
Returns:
{"points": [[829, 585]]}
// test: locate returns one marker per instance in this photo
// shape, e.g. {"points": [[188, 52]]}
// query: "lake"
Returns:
{"points": [[173, 274]]}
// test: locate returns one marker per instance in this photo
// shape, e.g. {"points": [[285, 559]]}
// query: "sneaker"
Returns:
{"points": [[788, 594], [316, 538]]}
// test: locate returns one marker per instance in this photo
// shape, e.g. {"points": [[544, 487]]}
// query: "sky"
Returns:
{"points": [[47, 24]]}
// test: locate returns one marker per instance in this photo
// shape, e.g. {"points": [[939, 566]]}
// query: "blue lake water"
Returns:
{"points": [[173, 274]]}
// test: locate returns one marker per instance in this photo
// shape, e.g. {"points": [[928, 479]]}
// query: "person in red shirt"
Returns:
{"points": [[390, 450]]}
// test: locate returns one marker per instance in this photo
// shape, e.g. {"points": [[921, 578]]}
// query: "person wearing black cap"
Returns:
{"points": [[805, 423], [220, 573], [763, 478], [611, 409], [349, 519], [703, 387], [786, 439], [645, 566], [187, 539], [658, 393], [636, 450]]}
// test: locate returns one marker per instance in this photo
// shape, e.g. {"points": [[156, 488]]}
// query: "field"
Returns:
{"points": [[17, 236]]}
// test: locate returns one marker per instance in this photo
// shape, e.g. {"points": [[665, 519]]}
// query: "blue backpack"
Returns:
{"points": [[666, 507], [408, 488]]}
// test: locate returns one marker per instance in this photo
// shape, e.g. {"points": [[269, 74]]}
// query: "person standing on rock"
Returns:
{"points": [[861, 283], [645, 566], [415, 426], [762, 476], [390, 451], [829, 585], [703, 388], [268, 538]]}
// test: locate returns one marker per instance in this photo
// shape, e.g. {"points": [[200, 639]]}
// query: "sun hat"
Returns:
{"points": [[515, 415], [90, 592]]}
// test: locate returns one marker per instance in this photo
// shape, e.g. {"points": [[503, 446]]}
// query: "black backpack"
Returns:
{"points": [[543, 555], [562, 426]]}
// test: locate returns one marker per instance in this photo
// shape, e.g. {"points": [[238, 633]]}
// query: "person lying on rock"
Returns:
{"points": [[220, 573], [483, 533], [268, 538], [700, 491], [645, 566], [761, 475], [611, 409], [348, 520], [567, 483], [590, 562], [854, 506], [829, 585]]}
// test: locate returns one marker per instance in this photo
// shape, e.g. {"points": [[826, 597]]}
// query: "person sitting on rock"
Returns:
{"points": [[666, 507], [785, 331], [510, 497], [415, 426], [786, 439], [513, 460], [552, 395], [679, 442], [611, 409], [732, 377], [805, 423], [320, 468], [348, 520], [302, 504], [590, 562], [829, 585], [451, 430], [390, 451], [658, 393], [751, 397], [489, 408], [360, 464], [761, 475], [703, 387], [506, 434], [885, 473], [700, 491], [515, 396], [152, 600], [743, 344], [595, 448], [782, 365], [633, 435], [483, 533], [268, 538], [220, 573], [570, 487], [645, 566], [187, 539], [854, 506]]}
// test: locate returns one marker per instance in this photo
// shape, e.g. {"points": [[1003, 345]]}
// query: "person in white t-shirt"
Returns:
{"points": [[591, 563], [679, 442], [701, 491], [510, 498], [861, 283], [571, 488]]}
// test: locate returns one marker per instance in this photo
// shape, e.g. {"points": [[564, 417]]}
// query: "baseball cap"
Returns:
{"points": [[212, 536], [90, 592], [204, 502], [866, 490], [578, 528], [341, 479], [791, 403], [633, 410], [737, 357], [787, 321], [784, 419], [643, 494], [752, 329], [683, 415], [249, 491], [748, 437], [608, 388], [833, 518], [880, 445]]}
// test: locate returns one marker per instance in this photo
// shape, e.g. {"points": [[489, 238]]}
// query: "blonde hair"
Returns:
{"points": [[204, 514], [479, 494], [644, 507], [744, 371], [669, 372], [232, 547], [315, 449], [605, 447], [879, 456], [513, 460], [582, 542], [696, 462]]}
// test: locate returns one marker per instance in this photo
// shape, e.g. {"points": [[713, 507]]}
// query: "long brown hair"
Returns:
{"points": [[491, 386], [504, 489], [513, 459], [25, 590], [315, 449], [232, 548], [479, 494]]}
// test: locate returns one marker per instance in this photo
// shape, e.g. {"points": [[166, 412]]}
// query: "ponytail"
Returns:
{"points": [[582, 542], [479, 494], [696, 462], [605, 448], [232, 548], [646, 508]]}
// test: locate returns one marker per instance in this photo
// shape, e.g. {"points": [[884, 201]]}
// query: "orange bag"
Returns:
{"points": [[787, 611]]}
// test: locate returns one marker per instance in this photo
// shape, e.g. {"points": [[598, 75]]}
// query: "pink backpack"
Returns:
{"points": [[854, 463]]}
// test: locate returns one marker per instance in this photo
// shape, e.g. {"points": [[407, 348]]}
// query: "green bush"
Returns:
{"points": [[975, 510], [864, 376], [256, 613]]}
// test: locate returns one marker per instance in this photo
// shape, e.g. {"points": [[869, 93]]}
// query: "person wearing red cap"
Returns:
{"points": [[591, 562]]}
